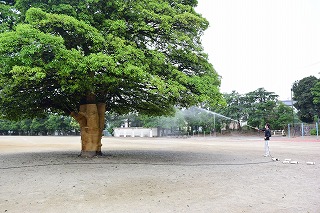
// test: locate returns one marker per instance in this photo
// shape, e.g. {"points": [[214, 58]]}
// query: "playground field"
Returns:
{"points": [[197, 174]]}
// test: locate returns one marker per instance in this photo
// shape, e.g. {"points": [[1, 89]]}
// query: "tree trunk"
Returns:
{"points": [[91, 118]]}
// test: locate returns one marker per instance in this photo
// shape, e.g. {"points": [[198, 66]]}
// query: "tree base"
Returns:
{"points": [[90, 154]]}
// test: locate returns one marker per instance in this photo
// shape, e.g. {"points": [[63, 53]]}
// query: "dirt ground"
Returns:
{"points": [[211, 174]]}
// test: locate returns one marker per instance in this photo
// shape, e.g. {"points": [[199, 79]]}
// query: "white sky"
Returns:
{"points": [[262, 43]]}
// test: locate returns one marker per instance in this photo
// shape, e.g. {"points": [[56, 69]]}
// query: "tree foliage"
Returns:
{"points": [[257, 108], [235, 106], [305, 93], [282, 116], [260, 105], [52, 124], [315, 91], [9, 16], [143, 56]]}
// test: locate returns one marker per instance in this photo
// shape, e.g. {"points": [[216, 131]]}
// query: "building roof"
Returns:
{"points": [[288, 102]]}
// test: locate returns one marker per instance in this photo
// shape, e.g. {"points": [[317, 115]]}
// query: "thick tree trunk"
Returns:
{"points": [[91, 118]]}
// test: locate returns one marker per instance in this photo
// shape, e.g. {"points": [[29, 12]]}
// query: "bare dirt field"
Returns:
{"points": [[211, 174]]}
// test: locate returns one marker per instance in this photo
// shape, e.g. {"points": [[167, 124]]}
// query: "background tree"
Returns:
{"points": [[25, 126], [38, 126], [196, 119], [7, 127], [51, 124], [166, 122], [259, 106], [302, 94], [57, 124], [315, 91], [281, 116], [85, 57], [234, 107], [175, 123], [8, 16]]}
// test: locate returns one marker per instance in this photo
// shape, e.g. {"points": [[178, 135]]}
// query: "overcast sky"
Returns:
{"points": [[262, 43]]}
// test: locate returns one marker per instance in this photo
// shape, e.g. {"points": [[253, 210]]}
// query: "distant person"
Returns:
{"points": [[267, 135]]}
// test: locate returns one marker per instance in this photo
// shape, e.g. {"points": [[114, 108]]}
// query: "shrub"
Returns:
{"points": [[313, 132]]}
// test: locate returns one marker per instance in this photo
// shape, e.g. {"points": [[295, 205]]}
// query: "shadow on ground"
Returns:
{"points": [[118, 157]]}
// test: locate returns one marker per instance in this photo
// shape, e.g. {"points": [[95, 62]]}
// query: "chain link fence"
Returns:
{"points": [[302, 129]]}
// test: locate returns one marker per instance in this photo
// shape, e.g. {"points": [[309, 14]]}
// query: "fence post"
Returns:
{"points": [[289, 131], [302, 129], [317, 128]]}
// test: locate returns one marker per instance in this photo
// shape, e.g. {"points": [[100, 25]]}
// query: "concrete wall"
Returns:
{"points": [[135, 132]]}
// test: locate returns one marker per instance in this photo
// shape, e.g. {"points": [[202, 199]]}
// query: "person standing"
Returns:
{"points": [[267, 135]]}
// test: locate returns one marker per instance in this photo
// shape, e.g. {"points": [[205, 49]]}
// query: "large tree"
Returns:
{"points": [[302, 94], [259, 106], [234, 107], [85, 57], [315, 91], [281, 116]]}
